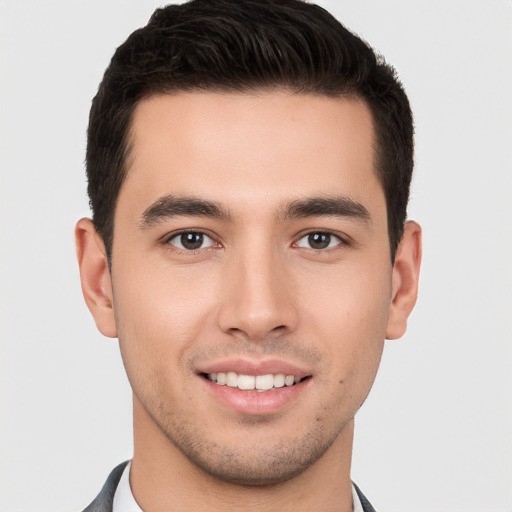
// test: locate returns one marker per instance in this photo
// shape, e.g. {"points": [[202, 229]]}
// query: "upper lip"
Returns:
{"points": [[248, 367]]}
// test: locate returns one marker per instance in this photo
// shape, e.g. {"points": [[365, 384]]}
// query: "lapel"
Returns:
{"points": [[367, 506], [105, 499]]}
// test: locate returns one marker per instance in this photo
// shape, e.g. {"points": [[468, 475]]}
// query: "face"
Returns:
{"points": [[251, 251]]}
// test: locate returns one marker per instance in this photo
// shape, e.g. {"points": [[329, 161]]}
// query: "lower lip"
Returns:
{"points": [[255, 402]]}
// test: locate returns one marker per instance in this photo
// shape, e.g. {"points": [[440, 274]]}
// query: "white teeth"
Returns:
{"points": [[289, 380], [279, 380], [264, 382], [246, 381], [251, 382], [232, 379]]}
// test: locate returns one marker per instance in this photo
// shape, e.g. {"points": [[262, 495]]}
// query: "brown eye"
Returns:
{"points": [[319, 240], [191, 241]]}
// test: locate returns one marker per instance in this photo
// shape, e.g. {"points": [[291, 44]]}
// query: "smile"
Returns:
{"points": [[253, 382]]}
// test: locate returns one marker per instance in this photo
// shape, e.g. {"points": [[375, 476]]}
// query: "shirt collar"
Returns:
{"points": [[125, 502]]}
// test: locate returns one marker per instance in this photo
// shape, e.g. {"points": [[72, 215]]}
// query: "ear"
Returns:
{"points": [[406, 272], [95, 276]]}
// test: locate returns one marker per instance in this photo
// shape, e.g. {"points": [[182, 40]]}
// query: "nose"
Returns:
{"points": [[258, 302]]}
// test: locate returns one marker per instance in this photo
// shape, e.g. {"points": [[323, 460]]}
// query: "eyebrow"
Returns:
{"points": [[170, 206], [337, 206]]}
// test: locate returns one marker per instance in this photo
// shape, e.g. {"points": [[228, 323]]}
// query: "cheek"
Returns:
{"points": [[158, 316], [351, 312]]}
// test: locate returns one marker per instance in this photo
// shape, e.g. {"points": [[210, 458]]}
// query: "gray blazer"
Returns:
{"points": [[105, 499]]}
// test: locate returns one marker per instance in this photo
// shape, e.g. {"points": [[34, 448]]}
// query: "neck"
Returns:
{"points": [[162, 479]]}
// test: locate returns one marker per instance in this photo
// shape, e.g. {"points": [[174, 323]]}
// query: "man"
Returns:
{"points": [[249, 165]]}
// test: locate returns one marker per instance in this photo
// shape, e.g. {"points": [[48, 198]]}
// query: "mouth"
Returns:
{"points": [[255, 388], [257, 383]]}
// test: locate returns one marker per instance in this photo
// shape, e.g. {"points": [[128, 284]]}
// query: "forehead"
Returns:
{"points": [[267, 146]]}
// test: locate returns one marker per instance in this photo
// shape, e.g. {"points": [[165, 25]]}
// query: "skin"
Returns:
{"points": [[256, 290]]}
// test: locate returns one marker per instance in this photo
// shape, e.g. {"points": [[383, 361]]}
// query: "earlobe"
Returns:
{"points": [[406, 271], [95, 276]]}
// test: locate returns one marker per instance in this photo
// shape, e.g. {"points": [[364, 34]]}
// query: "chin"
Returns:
{"points": [[256, 465], [255, 472]]}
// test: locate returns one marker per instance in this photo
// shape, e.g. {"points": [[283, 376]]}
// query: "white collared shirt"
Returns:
{"points": [[125, 502], [123, 498]]}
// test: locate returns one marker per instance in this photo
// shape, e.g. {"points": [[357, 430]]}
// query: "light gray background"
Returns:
{"points": [[436, 433]]}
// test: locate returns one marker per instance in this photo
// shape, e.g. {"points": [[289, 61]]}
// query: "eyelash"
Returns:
{"points": [[340, 241], [173, 236]]}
